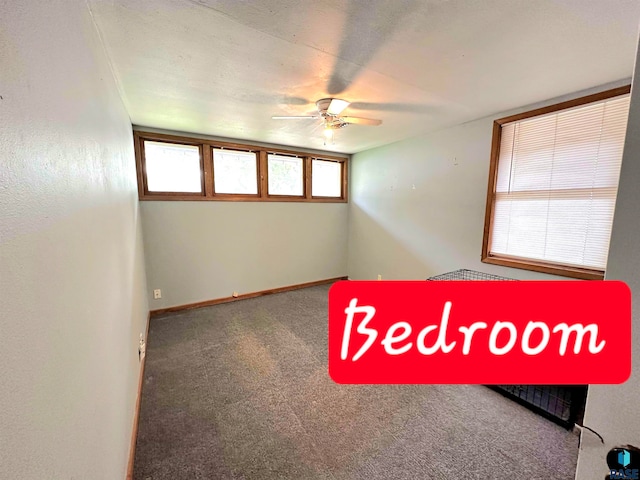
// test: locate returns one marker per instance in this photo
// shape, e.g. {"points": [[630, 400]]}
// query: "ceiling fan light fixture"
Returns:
{"points": [[328, 134], [336, 106]]}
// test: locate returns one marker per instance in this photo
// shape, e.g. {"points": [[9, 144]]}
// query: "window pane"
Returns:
{"points": [[326, 179], [285, 175], [235, 172], [172, 167]]}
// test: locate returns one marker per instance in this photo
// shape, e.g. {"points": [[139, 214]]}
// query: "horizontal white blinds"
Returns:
{"points": [[557, 183]]}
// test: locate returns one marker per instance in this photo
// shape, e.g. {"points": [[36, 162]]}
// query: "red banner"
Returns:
{"points": [[493, 332]]}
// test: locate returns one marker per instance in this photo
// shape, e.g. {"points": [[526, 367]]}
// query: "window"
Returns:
{"points": [[285, 175], [327, 178], [172, 167], [553, 186], [236, 172]]}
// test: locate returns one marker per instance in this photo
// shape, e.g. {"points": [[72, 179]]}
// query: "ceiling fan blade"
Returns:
{"points": [[294, 117], [393, 107], [317, 126], [337, 106], [361, 121]]}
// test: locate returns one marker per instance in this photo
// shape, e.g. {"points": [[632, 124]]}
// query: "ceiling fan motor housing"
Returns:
{"points": [[323, 105], [334, 122], [331, 120]]}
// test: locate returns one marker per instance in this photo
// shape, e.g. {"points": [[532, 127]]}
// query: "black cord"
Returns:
{"points": [[592, 430]]}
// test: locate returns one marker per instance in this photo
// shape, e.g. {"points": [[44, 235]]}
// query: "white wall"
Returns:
{"points": [[198, 251], [72, 284], [417, 206], [614, 410]]}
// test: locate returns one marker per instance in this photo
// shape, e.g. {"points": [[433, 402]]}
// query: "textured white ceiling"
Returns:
{"points": [[224, 67]]}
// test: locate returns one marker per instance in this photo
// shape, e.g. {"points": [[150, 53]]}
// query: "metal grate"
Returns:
{"points": [[550, 398], [560, 403], [464, 274]]}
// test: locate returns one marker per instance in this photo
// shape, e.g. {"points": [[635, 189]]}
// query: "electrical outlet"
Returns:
{"points": [[379, 277], [157, 293]]}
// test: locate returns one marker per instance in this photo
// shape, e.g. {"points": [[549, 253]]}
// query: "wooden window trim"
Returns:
{"points": [[529, 264], [307, 177], [142, 171], [343, 178], [207, 172], [233, 196], [287, 198]]}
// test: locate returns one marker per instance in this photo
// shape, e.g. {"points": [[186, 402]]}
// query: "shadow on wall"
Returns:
{"points": [[379, 251], [399, 244], [139, 303]]}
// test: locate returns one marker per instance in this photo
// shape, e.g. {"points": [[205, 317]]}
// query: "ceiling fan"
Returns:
{"points": [[329, 110]]}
